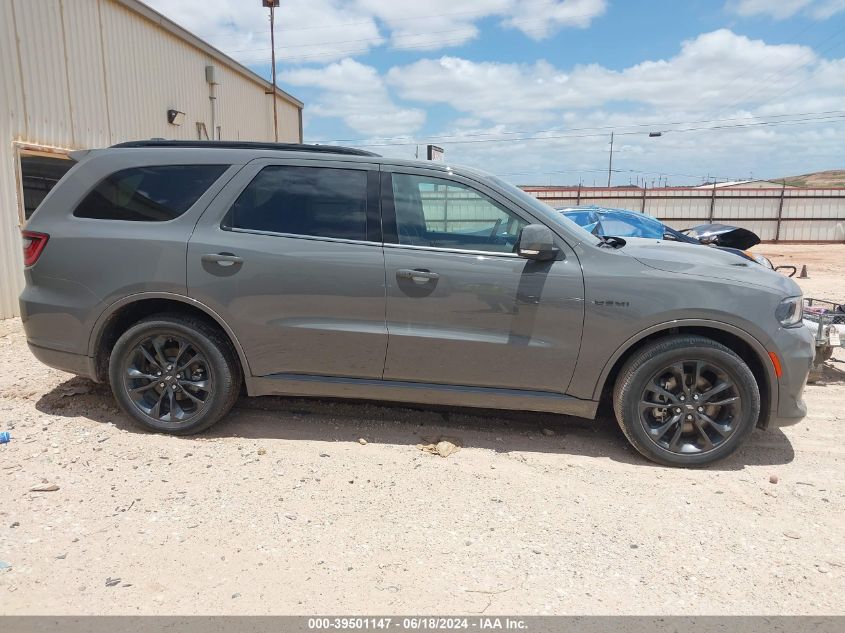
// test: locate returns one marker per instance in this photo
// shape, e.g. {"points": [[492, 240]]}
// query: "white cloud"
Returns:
{"points": [[540, 22], [441, 23], [321, 31], [782, 9], [316, 31], [710, 71], [356, 94], [718, 75], [827, 8], [433, 24]]}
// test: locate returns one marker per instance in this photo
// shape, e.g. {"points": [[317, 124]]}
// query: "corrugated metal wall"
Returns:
{"points": [[11, 120], [91, 73], [806, 215]]}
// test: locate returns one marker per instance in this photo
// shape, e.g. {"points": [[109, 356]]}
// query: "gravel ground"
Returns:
{"points": [[282, 509]]}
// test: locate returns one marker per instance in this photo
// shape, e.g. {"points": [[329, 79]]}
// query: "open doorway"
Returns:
{"points": [[39, 173]]}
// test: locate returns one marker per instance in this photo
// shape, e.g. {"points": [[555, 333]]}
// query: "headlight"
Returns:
{"points": [[790, 311]]}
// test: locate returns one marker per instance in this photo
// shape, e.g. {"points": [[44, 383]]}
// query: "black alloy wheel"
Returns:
{"points": [[168, 379], [175, 373], [690, 407]]}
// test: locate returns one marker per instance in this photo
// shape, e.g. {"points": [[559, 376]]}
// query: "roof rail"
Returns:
{"points": [[281, 147]]}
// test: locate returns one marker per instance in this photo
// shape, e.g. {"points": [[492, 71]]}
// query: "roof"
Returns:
{"points": [[281, 147], [248, 150], [169, 25]]}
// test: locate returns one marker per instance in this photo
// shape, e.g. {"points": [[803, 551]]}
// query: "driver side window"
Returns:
{"points": [[436, 212]]}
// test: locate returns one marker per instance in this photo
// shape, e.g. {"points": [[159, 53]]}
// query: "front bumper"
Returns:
{"points": [[795, 347]]}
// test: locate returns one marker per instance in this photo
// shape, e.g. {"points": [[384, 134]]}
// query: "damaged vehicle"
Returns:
{"points": [[623, 223], [184, 273], [736, 239]]}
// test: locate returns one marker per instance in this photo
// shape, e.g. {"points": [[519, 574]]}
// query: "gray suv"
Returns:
{"points": [[185, 272]]}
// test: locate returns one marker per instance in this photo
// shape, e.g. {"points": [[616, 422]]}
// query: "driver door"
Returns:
{"points": [[462, 308]]}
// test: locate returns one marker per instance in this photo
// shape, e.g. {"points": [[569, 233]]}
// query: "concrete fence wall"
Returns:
{"points": [[778, 214]]}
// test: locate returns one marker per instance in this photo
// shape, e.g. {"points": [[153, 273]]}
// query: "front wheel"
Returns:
{"points": [[174, 374], [686, 401]]}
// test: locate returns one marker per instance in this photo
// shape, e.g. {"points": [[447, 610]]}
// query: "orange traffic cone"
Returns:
{"points": [[804, 274]]}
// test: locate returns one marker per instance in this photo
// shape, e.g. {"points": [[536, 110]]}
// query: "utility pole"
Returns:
{"points": [[610, 162], [273, 5]]}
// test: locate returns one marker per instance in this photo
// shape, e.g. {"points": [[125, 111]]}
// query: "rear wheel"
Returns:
{"points": [[686, 401], [174, 374]]}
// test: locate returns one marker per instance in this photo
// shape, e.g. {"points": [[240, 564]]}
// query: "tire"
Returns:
{"points": [[711, 420], [147, 357]]}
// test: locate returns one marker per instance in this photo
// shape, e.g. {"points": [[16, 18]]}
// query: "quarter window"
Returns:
{"points": [[148, 194], [446, 214], [313, 201]]}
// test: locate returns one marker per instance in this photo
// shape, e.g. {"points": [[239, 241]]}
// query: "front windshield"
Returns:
{"points": [[545, 212]]}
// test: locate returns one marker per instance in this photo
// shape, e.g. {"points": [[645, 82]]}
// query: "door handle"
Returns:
{"points": [[419, 276], [222, 259]]}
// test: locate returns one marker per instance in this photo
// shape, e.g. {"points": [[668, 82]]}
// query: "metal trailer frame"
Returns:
{"points": [[825, 314]]}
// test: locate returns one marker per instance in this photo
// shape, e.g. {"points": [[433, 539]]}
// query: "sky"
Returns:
{"points": [[531, 90]]}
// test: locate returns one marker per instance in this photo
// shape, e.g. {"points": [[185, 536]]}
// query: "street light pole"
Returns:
{"points": [[610, 161], [272, 5]]}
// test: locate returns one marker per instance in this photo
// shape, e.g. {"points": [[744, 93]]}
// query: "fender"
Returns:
{"points": [[97, 329], [755, 344]]}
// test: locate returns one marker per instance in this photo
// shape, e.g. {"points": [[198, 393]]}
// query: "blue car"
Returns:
{"points": [[621, 223]]}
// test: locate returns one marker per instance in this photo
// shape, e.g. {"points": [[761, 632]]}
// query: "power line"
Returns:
{"points": [[562, 136], [812, 75], [620, 171], [748, 69], [824, 116], [794, 68]]}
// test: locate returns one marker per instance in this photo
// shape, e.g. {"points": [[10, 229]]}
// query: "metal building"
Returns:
{"points": [[79, 74]]}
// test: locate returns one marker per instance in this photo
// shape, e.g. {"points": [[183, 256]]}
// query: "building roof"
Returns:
{"points": [[169, 25], [739, 184]]}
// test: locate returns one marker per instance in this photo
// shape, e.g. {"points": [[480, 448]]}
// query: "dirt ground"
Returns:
{"points": [[281, 510]]}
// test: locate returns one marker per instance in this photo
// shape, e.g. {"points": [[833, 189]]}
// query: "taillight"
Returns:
{"points": [[33, 244]]}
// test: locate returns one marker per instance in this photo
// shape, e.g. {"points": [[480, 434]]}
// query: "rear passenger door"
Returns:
{"points": [[290, 255]]}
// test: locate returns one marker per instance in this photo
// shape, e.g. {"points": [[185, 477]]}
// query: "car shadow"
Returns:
{"points": [[328, 420]]}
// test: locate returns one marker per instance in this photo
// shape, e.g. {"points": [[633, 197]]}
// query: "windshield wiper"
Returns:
{"points": [[609, 241]]}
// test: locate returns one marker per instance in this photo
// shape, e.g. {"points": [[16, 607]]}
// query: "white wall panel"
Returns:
{"points": [[85, 74], [149, 71], [91, 73], [42, 65], [11, 119]]}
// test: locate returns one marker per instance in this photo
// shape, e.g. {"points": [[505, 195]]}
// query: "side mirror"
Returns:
{"points": [[537, 242]]}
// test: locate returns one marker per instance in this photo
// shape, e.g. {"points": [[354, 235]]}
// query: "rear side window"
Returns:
{"points": [[313, 201], [148, 194]]}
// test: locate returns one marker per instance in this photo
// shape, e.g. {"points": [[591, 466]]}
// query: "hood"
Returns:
{"points": [[724, 235], [692, 259]]}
